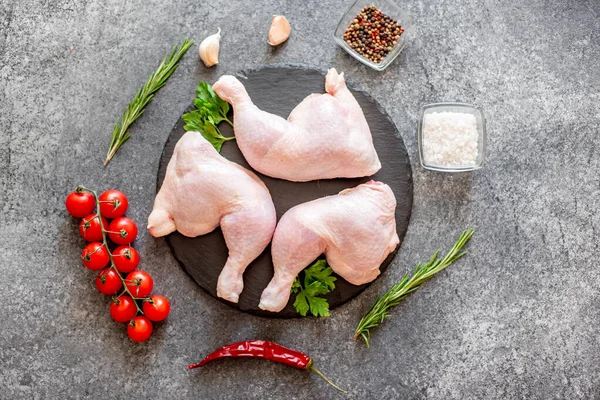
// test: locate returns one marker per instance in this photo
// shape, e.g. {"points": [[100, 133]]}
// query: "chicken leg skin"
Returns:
{"points": [[297, 247], [256, 130], [325, 136], [203, 190], [246, 234], [355, 229], [335, 85]]}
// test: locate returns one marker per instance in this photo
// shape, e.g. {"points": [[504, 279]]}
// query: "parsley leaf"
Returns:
{"points": [[194, 120], [296, 286], [207, 98], [317, 282], [320, 272], [319, 307], [315, 288], [210, 110], [301, 304]]}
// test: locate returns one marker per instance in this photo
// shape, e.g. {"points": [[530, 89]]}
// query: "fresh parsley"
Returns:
{"points": [[317, 282], [210, 110], [207, 99]]}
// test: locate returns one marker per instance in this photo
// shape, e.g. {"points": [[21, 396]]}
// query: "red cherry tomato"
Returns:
{"points": [[157, 308], [80, 204], [95, 256], [123, 309], [113, 204], [90, 230], [139, 329], [139, 283], [123, 230], [126, 259], [108, 282]]}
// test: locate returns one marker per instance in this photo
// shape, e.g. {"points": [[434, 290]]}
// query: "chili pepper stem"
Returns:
{"points": [[311, 367]]}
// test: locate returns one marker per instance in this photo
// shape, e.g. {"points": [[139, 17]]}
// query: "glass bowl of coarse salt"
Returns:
{"points": [[451, 137]]}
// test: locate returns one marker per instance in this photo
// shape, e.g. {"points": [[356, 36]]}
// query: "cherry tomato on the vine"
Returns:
{"points": [[139, 283], [126, 259], [113, 204], [123, 309], [80, 204], [108, 282], [139, 329], [157, 308], [122, 230], [95, 256], [89, 228]]}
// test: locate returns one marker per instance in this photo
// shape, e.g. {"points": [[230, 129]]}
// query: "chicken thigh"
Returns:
{"points": [[203, 190], [355, 229], [325, 136]]}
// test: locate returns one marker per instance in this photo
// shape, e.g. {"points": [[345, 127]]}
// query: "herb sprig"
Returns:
{"points": [[379, 311], [144, 96], [210, 110], [317, 282]]}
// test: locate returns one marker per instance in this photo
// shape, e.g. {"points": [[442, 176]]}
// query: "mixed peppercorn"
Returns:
{"points": [[373, 34]]}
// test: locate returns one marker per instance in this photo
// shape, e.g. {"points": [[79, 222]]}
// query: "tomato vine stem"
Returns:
{"points": [[110, 255]]}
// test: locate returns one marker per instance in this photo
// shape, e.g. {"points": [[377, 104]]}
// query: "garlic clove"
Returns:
{"points": [[209, 49], [280, 30]]}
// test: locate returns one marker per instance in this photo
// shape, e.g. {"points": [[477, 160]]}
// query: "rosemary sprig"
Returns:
{"points": [[144, 96], [379, 311]]}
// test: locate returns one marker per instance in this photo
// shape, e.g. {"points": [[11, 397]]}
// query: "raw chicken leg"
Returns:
{"points": [[356, 229], [325, 136], [203, 190]]}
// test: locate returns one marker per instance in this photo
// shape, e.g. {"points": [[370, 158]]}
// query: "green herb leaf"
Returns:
{"points": [[317, 282], [314, 289], [380, 308], [319, 307], [212, 134], [198, 121], [210, 110], [144, 96], [208, 99], [321, 272], [194, 120], [301, 304], [296, 286]]}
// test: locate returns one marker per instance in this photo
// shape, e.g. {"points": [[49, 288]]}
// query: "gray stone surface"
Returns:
{"points": [[517, 318]]}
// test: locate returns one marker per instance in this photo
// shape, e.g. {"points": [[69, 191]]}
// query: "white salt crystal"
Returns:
{"points": [[450, 139]]}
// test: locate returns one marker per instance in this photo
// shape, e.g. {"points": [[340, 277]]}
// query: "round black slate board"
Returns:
{"points": [[278, 91]]}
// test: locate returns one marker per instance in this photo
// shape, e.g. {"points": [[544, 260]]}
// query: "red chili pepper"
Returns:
{"points": [[268, 350]]}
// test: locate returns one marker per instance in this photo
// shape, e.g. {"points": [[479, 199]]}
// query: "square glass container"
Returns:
{"points": [[390, 9], [458, 108]]}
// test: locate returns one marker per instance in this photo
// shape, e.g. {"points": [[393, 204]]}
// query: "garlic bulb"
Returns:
{"points": [[280, 30], [209, 49]]}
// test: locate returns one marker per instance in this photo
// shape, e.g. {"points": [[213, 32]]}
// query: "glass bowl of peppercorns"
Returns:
{"points": [[374, 32]]}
